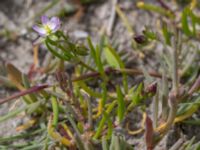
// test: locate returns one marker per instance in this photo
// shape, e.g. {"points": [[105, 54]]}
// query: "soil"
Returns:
{"points": [[16, 46]]}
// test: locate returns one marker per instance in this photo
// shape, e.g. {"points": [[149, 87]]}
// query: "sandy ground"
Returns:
{"points": [[17, 17]]}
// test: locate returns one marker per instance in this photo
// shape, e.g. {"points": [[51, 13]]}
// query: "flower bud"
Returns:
{"points": [[152, 88], [140, 39]]}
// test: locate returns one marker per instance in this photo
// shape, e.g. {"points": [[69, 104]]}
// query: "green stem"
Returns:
{"points": [[85, 65], [54, 52]]}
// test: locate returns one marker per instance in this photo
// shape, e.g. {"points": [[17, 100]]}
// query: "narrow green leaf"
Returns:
{"points": [[103, 120], [110, 58], [60, 34], [89, 90], [193, 21], [55, 108], [67, 47], [110, 126], [166, 33], [20, 136], [149, 33], [99, 62], [115, 56], [104, 144], [33, 107], [185, 22], [13, 113], [112, 144], [115, 144], [135, 96], [154, 8], [184, 107], [121, 104], [96, 55], [124, 19], [26, 84], [93, 51], [78, 136], [121, 65]]}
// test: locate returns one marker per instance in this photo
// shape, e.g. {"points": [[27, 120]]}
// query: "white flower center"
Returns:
{"points": [[47, 28]]}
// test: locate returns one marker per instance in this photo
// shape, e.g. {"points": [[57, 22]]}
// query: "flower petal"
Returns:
{"points": [[54, 23], [44, 20], [40, 30]]}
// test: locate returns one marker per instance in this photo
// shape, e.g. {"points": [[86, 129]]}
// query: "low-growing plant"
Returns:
{"points": [[87, 106]]}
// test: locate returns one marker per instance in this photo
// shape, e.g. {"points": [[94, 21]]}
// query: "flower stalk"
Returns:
{"points": [[176, 93]]}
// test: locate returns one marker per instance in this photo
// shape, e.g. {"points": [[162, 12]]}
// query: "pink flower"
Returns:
{"points": [[48, 26]]}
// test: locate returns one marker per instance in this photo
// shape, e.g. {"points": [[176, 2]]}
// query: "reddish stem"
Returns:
{"points": [[25, 92]]}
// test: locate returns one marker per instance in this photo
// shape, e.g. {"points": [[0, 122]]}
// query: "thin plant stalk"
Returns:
{"points": [[173, 96], [79, 138], [165, 92], [155, 109], [116, 71], [175, 81], [175, 60], [89, 112]]}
